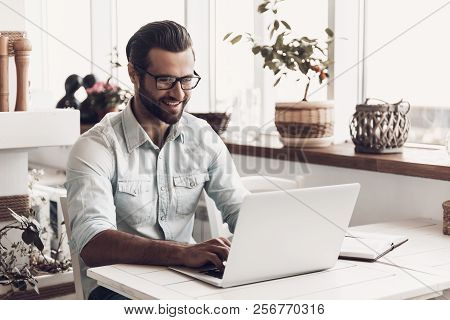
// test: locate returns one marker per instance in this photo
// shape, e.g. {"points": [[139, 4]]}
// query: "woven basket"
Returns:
{"points": [[380, 128], [304, 120], [446, 218], [217, 120], [18, 203], [12, 36]]}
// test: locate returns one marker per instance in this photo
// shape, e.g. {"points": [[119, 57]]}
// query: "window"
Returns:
{"points": [[61, 47], [414, 65], [234, 65], [241, 82], [306, 19]]}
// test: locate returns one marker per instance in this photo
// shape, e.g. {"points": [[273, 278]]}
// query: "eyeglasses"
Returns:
{"points": [[168, 82]]}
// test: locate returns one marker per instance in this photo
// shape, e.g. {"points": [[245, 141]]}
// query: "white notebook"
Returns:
{"points": [[368, 246]]}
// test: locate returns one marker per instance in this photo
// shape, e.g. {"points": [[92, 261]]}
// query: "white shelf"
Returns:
{"points": [[31, 129], [22, 131]]}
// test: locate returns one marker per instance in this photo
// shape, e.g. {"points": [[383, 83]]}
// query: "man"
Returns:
{"points": [[134, 180]]}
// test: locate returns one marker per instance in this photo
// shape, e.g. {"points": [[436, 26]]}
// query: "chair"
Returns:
{"points": [[254, 184], [75, 260]]}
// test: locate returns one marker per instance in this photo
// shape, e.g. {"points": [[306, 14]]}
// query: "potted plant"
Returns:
{"points": [[304, 123], [102, 96], [23, 264]]}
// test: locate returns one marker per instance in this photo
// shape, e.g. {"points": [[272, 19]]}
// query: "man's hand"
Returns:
{"points": [[133, 249], [213, 251]]}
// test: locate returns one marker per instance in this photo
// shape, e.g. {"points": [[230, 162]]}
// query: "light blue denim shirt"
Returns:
{"points": [[117, 178]]}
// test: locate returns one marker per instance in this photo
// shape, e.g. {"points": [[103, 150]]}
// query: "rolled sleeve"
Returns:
{"points": [[90, 199]]}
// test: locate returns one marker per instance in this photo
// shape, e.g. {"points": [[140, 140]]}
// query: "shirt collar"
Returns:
{"points": [[135, 135]]}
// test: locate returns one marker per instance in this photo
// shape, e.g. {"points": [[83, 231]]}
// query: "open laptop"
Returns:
{"points": [[284, 233]]}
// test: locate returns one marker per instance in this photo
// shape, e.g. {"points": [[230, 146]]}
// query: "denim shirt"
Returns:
{"points": [[118, 179]]}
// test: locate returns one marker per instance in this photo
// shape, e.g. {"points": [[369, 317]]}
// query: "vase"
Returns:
{"points": [[380, 128], [305, 124]]}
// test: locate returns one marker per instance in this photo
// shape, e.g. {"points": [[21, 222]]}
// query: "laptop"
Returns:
{"points": [[284, 233]]}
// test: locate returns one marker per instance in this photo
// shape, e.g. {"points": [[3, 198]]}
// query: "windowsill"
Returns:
{"points": [[415, 162]]}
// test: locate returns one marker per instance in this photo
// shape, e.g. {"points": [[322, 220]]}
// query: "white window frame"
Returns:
{"points": [[363, 69]]}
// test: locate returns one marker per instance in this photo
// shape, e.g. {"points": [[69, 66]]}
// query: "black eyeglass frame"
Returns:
{"points": [[177, 79]]}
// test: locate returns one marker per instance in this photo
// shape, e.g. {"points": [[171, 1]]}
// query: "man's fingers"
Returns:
{"points": [[226, 241], [215, 260], [221, 251], [220, 241]]}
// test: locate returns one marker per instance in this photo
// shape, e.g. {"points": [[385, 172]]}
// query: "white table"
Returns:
{"points": [[419, 269]]}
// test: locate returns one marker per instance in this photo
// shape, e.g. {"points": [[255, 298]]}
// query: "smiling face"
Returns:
{"points": [[165, 105]]}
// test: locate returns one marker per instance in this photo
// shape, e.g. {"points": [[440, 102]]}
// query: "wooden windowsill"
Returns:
{"points": [[415, 162]]}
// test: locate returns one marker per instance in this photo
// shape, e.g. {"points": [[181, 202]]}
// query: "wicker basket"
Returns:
{"points": [[380, 128], [305, 123], [18, 203], [217, 120], [446, 218], [13, 36]]}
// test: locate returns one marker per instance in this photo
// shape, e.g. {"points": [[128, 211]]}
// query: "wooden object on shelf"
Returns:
{"points": [[18, 203], [381, 127], [4, 86], [217, 120], [414, 162], [446, 220], [305, 124], [22, 49], [12, 37]]}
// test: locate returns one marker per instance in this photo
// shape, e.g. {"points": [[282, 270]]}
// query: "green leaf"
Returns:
{"points": [[227, 35], [21, 285], [38, 243], [279, 41], [308, 40], [28, 236], [304, 68], [262, 7], [236, 39], [329, 32], [20, 219], [276, 24], [256, 50], [265, 51], [322, 51], [276, 82], [286, 25]]}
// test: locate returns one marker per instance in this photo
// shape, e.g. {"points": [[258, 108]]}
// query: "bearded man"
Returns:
{"points": [[134, 180]]}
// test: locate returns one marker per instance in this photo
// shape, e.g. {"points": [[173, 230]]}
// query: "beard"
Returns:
{"points": [[156, 108]]}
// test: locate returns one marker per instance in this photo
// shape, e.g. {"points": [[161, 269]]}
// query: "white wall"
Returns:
{"points": [[383, 196]]}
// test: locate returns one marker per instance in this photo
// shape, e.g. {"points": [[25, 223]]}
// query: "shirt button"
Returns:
{"points": [[160, 156], [192, 184], [163, 188]]}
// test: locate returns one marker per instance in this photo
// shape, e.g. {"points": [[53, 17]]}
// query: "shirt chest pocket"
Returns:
{"points": [[188, 190], [135, 202]]}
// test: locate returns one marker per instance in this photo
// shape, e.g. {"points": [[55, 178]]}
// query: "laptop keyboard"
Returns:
{"points": [[216, 273]]}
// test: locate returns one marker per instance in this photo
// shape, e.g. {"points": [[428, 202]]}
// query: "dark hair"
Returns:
{"points": [[167, 35]]}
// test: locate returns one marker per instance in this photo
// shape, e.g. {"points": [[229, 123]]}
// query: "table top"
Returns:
{"points": [[420, 268]]}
